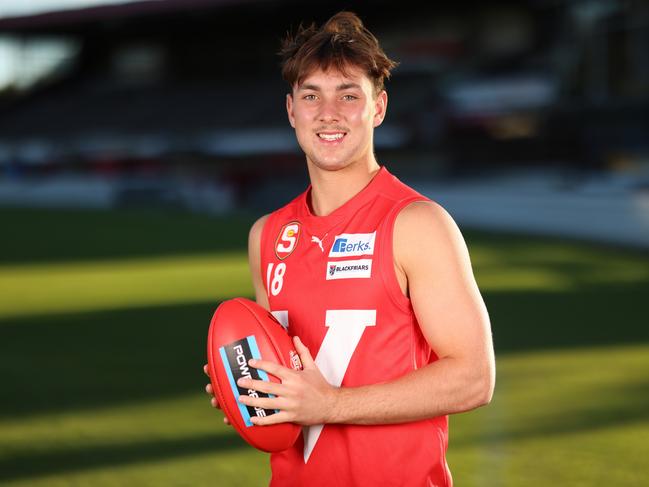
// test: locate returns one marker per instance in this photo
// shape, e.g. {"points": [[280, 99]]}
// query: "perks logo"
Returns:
{"points": [[287, 240], [349, 269], [350, 244]]}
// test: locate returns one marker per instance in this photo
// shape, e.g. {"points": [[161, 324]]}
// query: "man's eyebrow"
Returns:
{"points": [[340, 87], [308, 86], [346, 86]]}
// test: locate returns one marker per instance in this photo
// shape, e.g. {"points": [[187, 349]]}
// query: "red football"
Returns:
{"points": [[241, 330]]}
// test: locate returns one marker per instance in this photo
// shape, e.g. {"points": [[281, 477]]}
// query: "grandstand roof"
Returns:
{"points": [[75, 19]]}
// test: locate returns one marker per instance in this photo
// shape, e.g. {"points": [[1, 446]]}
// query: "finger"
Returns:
{"points": [[209, 390], [262, 386], [303, 352], [281, 417], [215, 403], [226, 420], [260, 402], [277, 370], [205, 369]]}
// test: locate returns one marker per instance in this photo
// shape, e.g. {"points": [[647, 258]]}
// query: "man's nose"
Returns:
{"points": [[328, 112]]}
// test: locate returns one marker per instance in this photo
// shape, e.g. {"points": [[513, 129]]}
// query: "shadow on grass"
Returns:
{"points": [[100, 359], [70, 460], [590, 316], [41, 235]]}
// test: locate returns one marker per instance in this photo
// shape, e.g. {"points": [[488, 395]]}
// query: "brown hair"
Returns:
{"points": [[342, 42]]}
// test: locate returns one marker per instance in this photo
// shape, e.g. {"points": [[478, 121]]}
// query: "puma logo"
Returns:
{"points": [[315, 239]]}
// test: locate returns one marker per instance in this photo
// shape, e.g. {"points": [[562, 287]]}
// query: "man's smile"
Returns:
{"points": [[331, 137]]}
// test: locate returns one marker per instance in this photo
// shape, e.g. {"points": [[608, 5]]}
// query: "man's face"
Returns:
{"points": [[334, 117]]}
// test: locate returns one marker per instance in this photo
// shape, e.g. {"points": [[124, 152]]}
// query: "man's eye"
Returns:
{"points": [[309, 97], [350, 97]]}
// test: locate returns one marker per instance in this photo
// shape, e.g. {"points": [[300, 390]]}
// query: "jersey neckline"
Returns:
{"points": [[350, 206]]}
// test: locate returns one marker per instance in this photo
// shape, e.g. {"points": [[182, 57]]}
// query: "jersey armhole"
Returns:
{"points": [[388, 273]]}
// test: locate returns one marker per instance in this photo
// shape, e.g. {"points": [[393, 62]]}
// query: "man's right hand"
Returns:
{"points": [[213, 401]]}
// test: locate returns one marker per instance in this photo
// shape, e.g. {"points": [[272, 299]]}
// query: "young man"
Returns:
{"points": [[374, 279]]}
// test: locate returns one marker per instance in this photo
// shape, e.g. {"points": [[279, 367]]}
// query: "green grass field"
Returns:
{"points": [[103, 321]]}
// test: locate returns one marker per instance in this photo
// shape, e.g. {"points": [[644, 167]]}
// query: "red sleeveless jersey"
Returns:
{"points": [[331, 281]]}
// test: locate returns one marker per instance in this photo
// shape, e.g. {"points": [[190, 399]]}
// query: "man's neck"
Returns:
{"points": [[332, 189]]}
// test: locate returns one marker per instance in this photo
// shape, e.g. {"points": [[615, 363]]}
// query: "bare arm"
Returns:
{"points": [[254, 261], [453, 318]]}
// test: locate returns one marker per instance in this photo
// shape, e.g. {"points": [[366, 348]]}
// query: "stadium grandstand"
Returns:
{"points": [[163, 100]]}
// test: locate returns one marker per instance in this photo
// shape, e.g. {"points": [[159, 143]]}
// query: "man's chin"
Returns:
{"points": [[330, 165], [331, 162]]}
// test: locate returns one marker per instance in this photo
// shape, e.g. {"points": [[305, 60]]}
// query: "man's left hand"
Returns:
{"points": [[303, 396]]}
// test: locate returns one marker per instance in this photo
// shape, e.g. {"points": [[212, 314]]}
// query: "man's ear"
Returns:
{"points": [[380, 107], [289, 109]]}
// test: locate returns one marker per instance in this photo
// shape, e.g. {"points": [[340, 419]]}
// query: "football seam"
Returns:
{"points": [[268, 335]]}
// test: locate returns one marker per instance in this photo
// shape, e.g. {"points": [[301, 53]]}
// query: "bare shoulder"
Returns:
{"points": [[256, 229], [424, 232], [254, 260], [415, 212], [426, 220], [254, 244]]}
